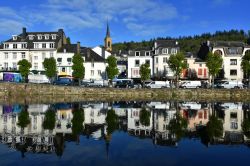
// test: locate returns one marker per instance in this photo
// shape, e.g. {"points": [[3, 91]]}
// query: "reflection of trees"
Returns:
{"points": [[59, 144], [50, 119], [213, 130], [145, 117], [77, 121], [112, 121], [178, 126], [23, 118]]}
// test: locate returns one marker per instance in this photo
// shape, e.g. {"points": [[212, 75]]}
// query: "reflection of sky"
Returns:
{"points": [[128, 150]]}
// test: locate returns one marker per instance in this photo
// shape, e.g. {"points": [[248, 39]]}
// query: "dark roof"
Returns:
{"points": [[108, 31], [227, 44], [91, 55], [69, 48], [166, 43], [24, 37]]}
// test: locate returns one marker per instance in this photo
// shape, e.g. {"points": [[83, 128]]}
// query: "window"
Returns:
{"points": [[24, 45], [46, 37], [156, 60], [5, 65], [147, 53], [6, 56], [233, 72], [14, 37], [43, 55], [69, 59], [92, 64], [164, 51], [234, 125], [36, 45], [173, 51], [43, 45], [165, 59], [14, 45], [53, 37], [14, 55], [233, 61], [51, 54], [59, 59], [39, 37], [233, 115], [31, 37], [137, 63], [63, 69], [137, 53], [14, 65], [135, 73], [200, 65], [51, 45], [35, 66], [35, 57], [108, 43], [92, 73], [232, 50], [148, 62], [23, 55], [99, 72], [6, 46], [200, 71]]}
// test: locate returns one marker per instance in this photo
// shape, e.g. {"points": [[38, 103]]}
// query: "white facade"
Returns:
{"points": [[101, 51], [136, 59], [95, 70]]}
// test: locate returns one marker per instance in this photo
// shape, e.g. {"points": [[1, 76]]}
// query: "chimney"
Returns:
{"points": [[78, 48], [88, 52], [208, 43], [24, 34], [176, 43]]}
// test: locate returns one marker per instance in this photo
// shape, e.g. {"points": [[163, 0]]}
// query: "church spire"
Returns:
{"points": [[108, 40], [108, 31]]}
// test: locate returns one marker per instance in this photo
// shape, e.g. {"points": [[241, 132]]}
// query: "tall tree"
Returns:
{"points": [[145, 73], [68, 40], [23, 118], [112, 69], [245, 65], [24, 68], [78, 67], [145, 117], [214, 64], [49, 65], [177, 63]]}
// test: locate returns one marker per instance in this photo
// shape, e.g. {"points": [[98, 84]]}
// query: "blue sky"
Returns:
{"points": [[85, 20]]}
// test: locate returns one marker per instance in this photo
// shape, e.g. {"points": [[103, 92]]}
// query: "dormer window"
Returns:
{"points": [[14, 37], [147, 53], [39, 37], [137, 53], [173, 51], [31, 37], [46, 37], [164, 51], [53, 37]]}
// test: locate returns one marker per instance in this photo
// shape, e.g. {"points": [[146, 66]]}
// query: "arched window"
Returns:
{"points": [[219, 52]]}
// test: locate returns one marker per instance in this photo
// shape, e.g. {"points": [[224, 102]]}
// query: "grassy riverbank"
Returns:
{"points": [[32, 93]]}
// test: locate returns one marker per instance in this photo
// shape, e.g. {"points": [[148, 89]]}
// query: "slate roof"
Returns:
{"points": [[166, 43], [227, 44], [72, 48]]}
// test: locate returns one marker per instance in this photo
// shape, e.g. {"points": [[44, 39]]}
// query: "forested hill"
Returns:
{"points": [[190, 43]]}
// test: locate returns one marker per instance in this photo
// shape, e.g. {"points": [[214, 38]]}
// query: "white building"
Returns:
{"points": [[232, 53], [101, 51], [33, 46], [162, 51], [136, 58]]}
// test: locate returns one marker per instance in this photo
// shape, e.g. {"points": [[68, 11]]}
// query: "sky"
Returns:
{"points": [[129, 20]]}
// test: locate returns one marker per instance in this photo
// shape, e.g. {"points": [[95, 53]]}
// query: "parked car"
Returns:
{"points": [[38, 78], [124, 83], [158, 84], [63, 81], [190, 84], [231, 85], [95, 83]]}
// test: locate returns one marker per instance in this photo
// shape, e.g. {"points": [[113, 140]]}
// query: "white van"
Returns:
{"points": [[190, 84], [231, 85], [158, 84]]}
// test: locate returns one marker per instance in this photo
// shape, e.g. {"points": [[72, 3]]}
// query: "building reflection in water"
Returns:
{"points": [[148, 120]]}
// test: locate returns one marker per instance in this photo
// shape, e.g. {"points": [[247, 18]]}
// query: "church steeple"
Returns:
{"points": [[108, 40]]}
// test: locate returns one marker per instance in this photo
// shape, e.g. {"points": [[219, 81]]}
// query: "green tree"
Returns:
{"points": [[214, 64], [246, 127], [245, 65], [68, 40], [145, 73], [177, 63], [50, 120], [214, 127], [49, 65], [178, 126], [78, 68], [23, 118], [144, 117], [24, 68], [112, 69]]}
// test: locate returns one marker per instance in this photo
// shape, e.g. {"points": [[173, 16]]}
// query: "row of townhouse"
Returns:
{"points": [[36, 46], [157, 57]]}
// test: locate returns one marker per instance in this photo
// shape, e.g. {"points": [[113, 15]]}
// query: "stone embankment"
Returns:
{"points": [[39, 93]]}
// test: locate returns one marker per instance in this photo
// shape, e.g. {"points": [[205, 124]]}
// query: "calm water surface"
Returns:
{"points": [[125, 133]]}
